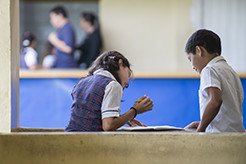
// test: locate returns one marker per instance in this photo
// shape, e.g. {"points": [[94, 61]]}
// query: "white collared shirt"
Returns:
{"points": [[219, 74], [31, 57], [112, 96]]}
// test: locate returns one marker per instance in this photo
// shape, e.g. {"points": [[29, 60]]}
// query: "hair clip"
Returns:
{"points": [[26, 42], [111, 57]]}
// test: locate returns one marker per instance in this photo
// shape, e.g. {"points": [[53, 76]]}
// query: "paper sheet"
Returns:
{"points": [[151, 128]]}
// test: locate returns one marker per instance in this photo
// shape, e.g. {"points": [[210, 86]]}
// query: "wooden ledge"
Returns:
{"points": [[75, 73], [56, 73]]}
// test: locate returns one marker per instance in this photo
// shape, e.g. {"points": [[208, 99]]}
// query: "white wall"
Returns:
{"points": [[151, 34], [228, 19], [9, 65]]}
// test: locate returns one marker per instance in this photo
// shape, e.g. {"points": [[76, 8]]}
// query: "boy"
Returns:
{"points": [[221, 92]]}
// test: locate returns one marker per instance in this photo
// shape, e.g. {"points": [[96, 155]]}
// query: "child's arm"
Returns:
{"points": [[113, 123], [212, 108], [61, 45]]}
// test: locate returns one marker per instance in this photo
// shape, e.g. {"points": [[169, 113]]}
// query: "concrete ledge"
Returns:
{"points": [[123, 147], [36, 130]]}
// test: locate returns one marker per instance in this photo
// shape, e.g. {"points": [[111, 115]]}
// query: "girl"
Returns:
{"points": [[28, 54], [97, 97]]}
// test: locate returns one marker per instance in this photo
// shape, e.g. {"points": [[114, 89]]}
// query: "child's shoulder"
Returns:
{"points": [[210, 71]]}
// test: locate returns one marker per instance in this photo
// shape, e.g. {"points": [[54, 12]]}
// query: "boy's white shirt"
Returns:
{"points": [[31, 57], [112, 96], [219, 74]]}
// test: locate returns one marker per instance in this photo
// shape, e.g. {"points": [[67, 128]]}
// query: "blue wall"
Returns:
{"points": [[45, 103]]}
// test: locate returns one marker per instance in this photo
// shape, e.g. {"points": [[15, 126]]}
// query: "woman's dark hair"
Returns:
{"points": [[91, 18], [59, 10], [109, 61], [206, 39], [28, 38]]}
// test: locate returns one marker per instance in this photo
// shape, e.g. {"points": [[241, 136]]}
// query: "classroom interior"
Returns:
{"points": [[35, 105]]}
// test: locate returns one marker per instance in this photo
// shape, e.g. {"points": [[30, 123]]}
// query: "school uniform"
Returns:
{"points": [[28, 58], [94, 98], [219, 74], [49, 61]]}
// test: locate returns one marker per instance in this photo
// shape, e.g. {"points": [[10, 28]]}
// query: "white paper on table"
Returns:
{"points": [[151, 128]]}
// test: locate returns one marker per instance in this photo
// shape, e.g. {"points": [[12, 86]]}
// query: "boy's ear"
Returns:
{"points": [[199, 51]]}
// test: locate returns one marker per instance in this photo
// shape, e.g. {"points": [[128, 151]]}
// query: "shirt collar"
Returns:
{"points": [[216, 59], [104, 73]]}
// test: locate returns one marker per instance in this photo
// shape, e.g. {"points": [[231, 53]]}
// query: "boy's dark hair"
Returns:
{"points": [[59, 10], [109, 61], [206, 39]]}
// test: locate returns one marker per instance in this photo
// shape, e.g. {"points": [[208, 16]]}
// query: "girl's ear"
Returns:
{"points": [[120, 62]]}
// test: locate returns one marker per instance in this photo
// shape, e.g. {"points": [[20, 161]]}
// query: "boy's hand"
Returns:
{"points": [[193, 125]]}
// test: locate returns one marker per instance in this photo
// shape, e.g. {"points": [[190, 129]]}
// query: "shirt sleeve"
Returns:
{"points": [[210, 78], [31, 58], [111, 100], [68, 36]]}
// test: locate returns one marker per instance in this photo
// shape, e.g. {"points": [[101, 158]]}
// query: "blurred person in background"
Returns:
{"points": [[63, 39], [91, 46], [28, 54]]}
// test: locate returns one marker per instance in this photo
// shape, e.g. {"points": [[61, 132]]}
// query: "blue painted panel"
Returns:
{"points": [[175, 100], [46, 103]]}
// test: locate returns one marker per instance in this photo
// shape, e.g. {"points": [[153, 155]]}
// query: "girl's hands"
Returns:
{"points": [[135, 122], [143, 104]]}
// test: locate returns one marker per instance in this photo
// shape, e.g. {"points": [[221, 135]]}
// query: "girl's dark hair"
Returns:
{"points": [[28, 38], [60, 10], [205, 38], [91, 18], [109, 61]]}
